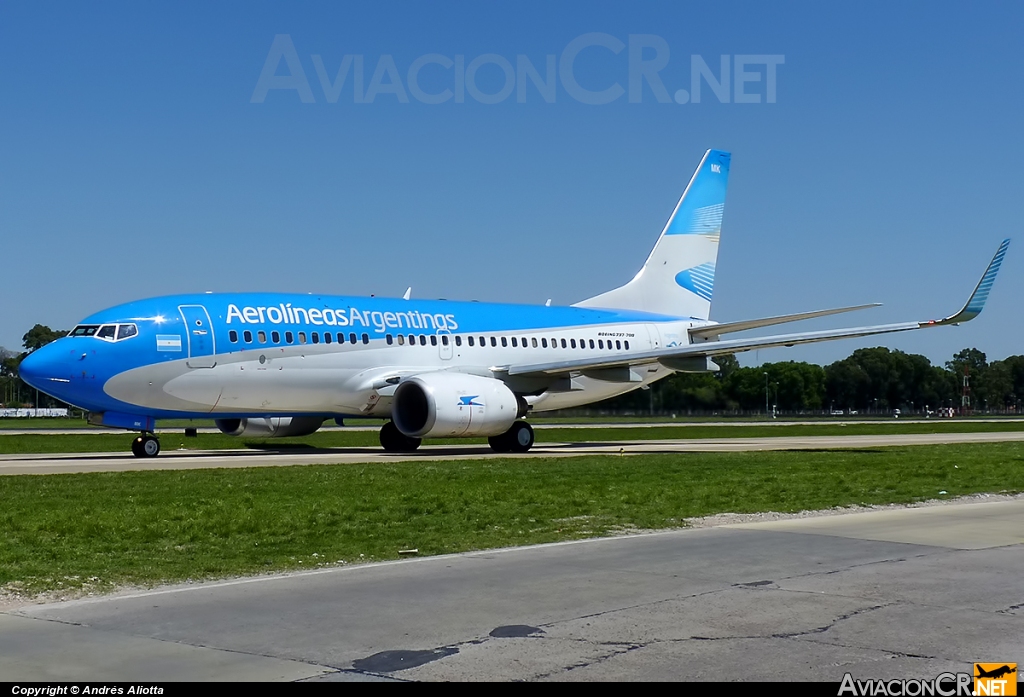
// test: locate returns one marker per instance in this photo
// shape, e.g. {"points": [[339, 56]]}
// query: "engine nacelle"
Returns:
{"points": [[271, 426], [439, 405]]}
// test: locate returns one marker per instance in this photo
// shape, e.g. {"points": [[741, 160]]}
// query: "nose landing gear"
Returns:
{"points": [[146, 445]]}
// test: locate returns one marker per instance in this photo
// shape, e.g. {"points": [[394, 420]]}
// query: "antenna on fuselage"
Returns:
{"points": [[408, 293], [548, 303]]}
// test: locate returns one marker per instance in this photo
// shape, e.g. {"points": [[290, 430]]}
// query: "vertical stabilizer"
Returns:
{"points": [[679, 276]]}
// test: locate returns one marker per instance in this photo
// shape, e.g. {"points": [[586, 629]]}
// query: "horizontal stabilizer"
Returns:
{"points": [[714, 330]]}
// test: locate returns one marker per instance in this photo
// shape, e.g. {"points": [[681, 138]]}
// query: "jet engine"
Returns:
{"points": [[437, 405], [271, 426]]}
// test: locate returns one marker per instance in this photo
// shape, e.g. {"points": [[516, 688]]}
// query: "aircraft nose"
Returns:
{"points": [[38, 367]]}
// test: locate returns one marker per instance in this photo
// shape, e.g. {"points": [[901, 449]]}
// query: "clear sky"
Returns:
{"points": [[144, 152]]}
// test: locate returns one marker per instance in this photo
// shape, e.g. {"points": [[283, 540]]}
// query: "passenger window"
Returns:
{"points": [[401, 340], [533, 341], [433, 339], [327, 337], [262, 335], [543, 343], [316, 337], [564, 343], [352, 338], [412, 339], [572, 343], [388, 338], [233, 336], [108, 332], [600, 343], [524, 342], [366, 339], [458, 341], [302, 337], [626, 344], [275, 337], [126, 331], [470, 340], [591, 343], [504, 342], [618, 345], [444, 339], [494, 342], [514, 344], [423, 340], [289, 338], [247, 335]]}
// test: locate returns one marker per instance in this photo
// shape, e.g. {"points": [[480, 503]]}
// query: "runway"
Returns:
{"points": [[893, 593], [192, 459]]}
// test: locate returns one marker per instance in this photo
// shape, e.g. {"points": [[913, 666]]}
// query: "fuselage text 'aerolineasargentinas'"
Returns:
{"points": [[281, 365]]}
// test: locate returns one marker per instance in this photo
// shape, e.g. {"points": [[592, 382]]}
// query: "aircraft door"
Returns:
{"points": [[444, 344], [201, 342]]}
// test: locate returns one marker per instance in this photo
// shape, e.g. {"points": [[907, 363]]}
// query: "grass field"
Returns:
{"points": [[96, 531], [173, 440]]}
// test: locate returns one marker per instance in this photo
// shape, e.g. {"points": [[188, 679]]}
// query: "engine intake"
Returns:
{"points": [[454, 404], [271, 426]]}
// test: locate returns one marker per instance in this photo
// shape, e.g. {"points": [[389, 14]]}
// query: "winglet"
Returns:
{"points": [[976, 302]]}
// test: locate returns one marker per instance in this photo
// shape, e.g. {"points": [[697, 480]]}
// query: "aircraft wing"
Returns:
{"points": [[971, 309], [714, 330]]}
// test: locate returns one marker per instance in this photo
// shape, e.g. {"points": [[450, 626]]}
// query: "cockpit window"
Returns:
{"points": [[107, 332]]}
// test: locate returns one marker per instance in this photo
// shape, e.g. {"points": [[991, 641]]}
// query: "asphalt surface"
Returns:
{"points": [[831, 421], [192, 459], [895, 593]]}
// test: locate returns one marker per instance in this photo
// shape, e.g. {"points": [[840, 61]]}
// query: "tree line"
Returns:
{"points": [[869, 380]]}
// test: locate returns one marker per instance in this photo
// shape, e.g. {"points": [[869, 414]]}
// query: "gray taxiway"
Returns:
{"points": [[171, 459]]}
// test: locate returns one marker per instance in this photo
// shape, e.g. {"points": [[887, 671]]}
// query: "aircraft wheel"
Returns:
{"points": [[394, 441], [517, 439], [146, 445], [520, 437], [500, 443]]}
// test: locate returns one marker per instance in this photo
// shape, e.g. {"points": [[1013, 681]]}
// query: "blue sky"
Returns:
{"points": [[134, 161]]}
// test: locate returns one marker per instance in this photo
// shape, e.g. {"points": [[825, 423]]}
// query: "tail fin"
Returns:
{"points": [[679, 275]]}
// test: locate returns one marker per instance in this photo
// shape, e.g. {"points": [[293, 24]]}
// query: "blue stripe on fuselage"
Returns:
{"points": [[373, 316]]}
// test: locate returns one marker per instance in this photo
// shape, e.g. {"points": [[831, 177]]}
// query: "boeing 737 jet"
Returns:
{"points": [[275, 365]]}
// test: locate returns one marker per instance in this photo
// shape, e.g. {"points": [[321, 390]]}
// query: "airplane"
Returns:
{"points": [[994, 673], [280, 365]]}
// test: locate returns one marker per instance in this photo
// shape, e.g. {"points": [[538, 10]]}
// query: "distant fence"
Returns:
{"points": [[28, 413]]}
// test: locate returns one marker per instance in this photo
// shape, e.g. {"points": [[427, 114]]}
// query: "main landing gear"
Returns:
{"points": [[394, 441], [146, 445], [517, 439]]}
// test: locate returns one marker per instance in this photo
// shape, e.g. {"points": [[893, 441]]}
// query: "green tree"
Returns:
{"points": [[39, 336]]}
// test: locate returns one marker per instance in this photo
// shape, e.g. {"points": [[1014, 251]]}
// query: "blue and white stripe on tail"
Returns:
{"points": [[678, 277]]}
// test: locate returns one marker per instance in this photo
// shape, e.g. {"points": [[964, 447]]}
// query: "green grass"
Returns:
{"points": [[99, 530], [173, 440]]}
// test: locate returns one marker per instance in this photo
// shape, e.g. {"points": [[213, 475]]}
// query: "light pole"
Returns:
{"points": [[766, 395]]}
